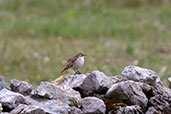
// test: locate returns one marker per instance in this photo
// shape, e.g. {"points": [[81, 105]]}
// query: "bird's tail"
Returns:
{"points": [[66, 68]]}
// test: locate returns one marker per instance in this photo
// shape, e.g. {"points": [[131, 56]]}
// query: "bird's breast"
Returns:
{"points": [[78, 63]]}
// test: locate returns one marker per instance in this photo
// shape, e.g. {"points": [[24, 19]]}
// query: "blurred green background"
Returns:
{"points": [[38, 36]]}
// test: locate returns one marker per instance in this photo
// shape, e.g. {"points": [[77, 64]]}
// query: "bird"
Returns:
{"points": [[75, 62]]}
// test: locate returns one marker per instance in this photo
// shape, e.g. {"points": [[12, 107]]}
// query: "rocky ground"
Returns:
{"points": [[138, 91]]}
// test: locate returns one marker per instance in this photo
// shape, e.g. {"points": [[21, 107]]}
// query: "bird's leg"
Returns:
{"points": [[75, 71], [78, 72]]}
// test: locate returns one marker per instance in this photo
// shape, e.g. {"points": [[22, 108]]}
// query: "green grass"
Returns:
{"points": [[38, 36]]}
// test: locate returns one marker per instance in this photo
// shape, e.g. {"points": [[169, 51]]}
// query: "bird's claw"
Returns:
{"points": [[77, 72]]}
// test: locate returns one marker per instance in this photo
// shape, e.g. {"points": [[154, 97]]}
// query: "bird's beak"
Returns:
{"points": [[84, 55]]}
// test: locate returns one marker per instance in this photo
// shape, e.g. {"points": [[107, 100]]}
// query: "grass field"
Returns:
{"points": [[38, 36]]}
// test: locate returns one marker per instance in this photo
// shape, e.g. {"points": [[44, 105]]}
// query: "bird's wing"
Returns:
{"points": [[71, 61]]}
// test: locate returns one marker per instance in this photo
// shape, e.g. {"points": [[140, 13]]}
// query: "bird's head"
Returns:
{"points": [[81, 55]]}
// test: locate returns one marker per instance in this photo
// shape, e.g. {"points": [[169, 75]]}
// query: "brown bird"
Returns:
{"points": [[75, 62]]}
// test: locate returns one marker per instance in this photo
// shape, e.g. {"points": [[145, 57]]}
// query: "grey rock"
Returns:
{"points": [[74, 110], [161, 103], [148, 77], [54, 107], [3, 84], [18, 109], [135, 109], [163, 90], [88, 84], [140, 74], [103, 82], [1, 107], [24, 109], [93, 105], [32, 109], [49, 106], [148, 90], [127, 92], [22, 87], [169, 79], [82, 83], [46, 90], [11, 99], [74, 97], [118, 78], [50, 91], [153, 110]]}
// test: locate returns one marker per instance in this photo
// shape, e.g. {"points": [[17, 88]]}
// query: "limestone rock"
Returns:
{"points": [[1, 107], [148, 77], [102, 82], [46, 90], [93, 105], [11, 99], [24, 109], [163, 90], [153, 110], [22, 87], [32, 109], [88, 84], [18, 109], [74, 110], [135, 109], [54, 107], [50, 91], [127, 92], [82, 83], [161, 103], [140, 74]]}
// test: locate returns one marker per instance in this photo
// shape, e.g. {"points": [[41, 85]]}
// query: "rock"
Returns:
{"points": [[50, 91], [46, 90], [74, 97], [24, 109], [169, 82], [93, 105], [102, 82], [88, 84], [1, 107], [49, 106], [82, 83], [148, 90], [135, 109], [140, 74], [127, 92], [54, 107], [18, 109], [162, 103], [3, 84], [146, 76], [32, 109], [163, 90], [152, 110], [74, 110], [22, 87], [11, 99]]}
